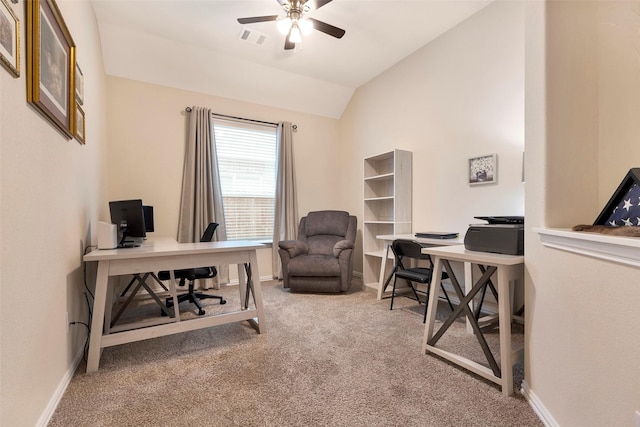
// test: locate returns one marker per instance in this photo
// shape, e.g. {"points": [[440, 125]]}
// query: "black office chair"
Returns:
{"points": [[410, 249], [192, 274]]}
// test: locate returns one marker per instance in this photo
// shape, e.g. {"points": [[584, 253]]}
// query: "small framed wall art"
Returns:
{"points": [[51, 65], [483, 169], [9, 39], [79, 85], [79, 133]]}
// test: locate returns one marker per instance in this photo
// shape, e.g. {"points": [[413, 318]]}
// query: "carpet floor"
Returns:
{"points": [[326, 360]]}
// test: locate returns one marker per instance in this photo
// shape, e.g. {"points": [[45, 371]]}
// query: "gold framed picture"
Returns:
{"points": [[9, 39], [51, 65], [80, 125], [79, 85]]}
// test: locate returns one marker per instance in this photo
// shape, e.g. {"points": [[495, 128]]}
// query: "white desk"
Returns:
{"points": [[508, 269], [389, 238], [168, 255]]}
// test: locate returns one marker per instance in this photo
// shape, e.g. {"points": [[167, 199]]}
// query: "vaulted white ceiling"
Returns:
{"points": [[196, 45]]}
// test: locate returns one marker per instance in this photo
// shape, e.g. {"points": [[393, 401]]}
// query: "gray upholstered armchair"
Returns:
{"points": [[320, 260]]}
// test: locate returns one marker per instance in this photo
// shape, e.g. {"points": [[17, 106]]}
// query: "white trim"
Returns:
{"points": [[236, 281], [622, 250], [537, 406], [62, 387]]}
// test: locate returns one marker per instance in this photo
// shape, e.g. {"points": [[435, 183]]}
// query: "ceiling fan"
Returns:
{"points": [[295, 22]]}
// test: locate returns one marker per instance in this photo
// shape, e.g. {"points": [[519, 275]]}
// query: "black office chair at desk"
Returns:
{"points": [[407, 250], [191, 274]]}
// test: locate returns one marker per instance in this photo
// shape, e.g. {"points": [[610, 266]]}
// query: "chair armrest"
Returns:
{"points": [[294, 247], [341, 246]]}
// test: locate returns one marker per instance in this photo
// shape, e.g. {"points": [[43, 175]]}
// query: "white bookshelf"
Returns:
{"points": [[387, 207]]}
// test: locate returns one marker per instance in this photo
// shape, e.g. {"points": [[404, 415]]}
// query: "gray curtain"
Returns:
{"points": [[201, 200], [285, 224]]}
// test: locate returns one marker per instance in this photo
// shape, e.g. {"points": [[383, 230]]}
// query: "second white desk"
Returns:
{"points": [[508, 269], [387, 239]]}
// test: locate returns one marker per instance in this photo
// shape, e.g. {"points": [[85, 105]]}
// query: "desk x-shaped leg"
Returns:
{"points": [[464, 306], [136, 277], [388, 279], [484, 292], [141, 282], [247, 269]]}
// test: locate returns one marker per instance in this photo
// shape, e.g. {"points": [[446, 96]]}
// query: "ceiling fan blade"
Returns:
{"points": [[327, 28], [254, 19], [317, 4]]}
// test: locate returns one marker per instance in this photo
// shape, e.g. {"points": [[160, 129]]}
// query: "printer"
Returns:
{"points": [[501, 235]]}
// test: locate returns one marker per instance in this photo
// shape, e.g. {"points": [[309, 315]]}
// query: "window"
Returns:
{"points": [[247, 163]]}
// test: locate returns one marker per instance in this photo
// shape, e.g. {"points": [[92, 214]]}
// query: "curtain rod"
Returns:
{"points": [[294, 127]]}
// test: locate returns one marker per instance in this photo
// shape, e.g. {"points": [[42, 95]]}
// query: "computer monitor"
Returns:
{"points": [[128, 216], [148, 218]]}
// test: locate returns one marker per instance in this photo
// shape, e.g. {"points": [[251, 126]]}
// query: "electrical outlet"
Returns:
{"points": [[68, 324]]}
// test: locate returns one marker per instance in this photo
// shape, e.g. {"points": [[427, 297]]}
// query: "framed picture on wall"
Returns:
{"points": [[51, 65], [483, 169], [79, 85], [9, 39], [80, 125]]}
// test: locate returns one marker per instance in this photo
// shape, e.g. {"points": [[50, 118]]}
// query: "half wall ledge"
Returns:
{"points": [[622, 250]]}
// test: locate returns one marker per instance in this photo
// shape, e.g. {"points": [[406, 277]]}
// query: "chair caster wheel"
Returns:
{"points": [[222, 302], [200, 312]]}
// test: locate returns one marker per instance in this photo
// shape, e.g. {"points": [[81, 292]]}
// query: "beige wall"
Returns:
{"points": [[50, 192], [572, 133], [146, 159], [618, 93], [458, 97], [582, 313]]}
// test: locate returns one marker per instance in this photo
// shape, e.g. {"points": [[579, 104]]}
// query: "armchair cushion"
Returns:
{"points": [[315, 265], [327, 222]]}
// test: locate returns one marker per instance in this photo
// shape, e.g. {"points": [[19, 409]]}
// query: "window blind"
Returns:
{"points": [[247, 164]]}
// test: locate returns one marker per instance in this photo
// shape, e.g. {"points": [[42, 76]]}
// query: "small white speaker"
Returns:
{"points": [[107, 235]]}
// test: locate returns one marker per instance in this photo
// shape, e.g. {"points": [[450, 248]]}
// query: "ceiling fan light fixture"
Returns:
{"points": [[294, 34], [306, 26], [294, 24], [284, 25]]}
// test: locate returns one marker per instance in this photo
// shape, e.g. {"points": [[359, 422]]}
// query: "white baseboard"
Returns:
{"points": [[236, 282], [538, 406], [62, 387]]}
